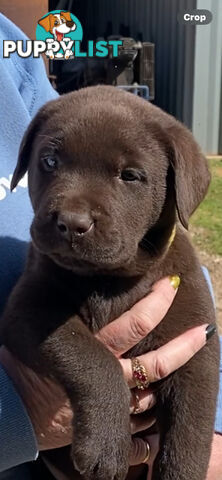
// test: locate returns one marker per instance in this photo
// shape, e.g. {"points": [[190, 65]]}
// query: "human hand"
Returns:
{"points": [[46, 402], [125, 332]]}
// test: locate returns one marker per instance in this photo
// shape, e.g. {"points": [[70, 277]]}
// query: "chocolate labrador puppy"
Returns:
{"points": [[110, 177]]}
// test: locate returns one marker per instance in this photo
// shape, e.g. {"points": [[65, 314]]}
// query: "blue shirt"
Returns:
{"points": [[24, 88]]}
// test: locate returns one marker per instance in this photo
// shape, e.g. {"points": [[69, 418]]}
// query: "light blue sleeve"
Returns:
{"points": [[17, 438], [24, 88]]}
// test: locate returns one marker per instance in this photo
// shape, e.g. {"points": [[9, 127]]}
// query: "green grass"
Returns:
{"points": [[206, 222]]}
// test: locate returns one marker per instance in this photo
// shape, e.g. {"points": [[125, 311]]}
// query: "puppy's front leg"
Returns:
{"points": [[36, 329]]}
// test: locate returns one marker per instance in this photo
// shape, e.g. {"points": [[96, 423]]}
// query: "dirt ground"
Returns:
{"points": [[214, 265]]}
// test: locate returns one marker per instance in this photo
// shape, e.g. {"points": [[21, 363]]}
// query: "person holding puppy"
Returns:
{"points": [[40, 422]]}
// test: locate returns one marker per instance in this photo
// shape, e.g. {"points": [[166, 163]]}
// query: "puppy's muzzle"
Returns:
{"points": [[74, 224]]}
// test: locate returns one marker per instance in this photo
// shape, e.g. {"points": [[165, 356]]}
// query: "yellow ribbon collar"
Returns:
{"points": [[172, 236]]}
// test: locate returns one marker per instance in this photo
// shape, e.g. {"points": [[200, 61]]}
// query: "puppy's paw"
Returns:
{"points": [[102, 438], [102, 457]]}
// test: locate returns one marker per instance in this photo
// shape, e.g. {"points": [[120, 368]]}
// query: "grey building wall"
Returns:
{"points": [[220, 124], [207, 102], [187, 58], [154, 21]]}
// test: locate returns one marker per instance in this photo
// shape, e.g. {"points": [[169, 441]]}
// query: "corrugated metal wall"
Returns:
{"points": [[207, 101], [154, 21], [186, 82]]}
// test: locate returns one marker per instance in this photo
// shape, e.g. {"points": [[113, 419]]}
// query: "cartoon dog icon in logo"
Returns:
{"points": [[58, 24]]}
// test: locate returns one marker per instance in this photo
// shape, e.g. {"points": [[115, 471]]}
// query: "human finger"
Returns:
{"points": [[161, 362], [139, 423], [155, 441], [141, 400], [135, 324]]}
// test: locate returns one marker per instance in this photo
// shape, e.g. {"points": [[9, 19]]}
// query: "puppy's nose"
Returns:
{"points": [[74, 223]]}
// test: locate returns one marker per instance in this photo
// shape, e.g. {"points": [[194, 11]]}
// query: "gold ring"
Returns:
{"points": [[139, 374], [147, 453], [137, 408]]}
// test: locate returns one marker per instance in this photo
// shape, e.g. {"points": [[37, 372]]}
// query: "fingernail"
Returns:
{"points": [[210, 330], [175, 281]]}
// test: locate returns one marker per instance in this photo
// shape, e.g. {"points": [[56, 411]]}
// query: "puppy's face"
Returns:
{"points": [[95, 191], [101, 180]]}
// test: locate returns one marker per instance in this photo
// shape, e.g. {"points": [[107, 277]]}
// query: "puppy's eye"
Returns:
{"points": [[56, 22], [130, 175], [49, 163]]}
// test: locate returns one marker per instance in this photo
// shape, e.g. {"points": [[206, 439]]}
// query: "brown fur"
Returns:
{"points": [[76, 283]]}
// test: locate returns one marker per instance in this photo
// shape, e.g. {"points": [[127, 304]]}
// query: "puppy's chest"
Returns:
{"points": [[109, 300], [98, 311], [100, 308]]}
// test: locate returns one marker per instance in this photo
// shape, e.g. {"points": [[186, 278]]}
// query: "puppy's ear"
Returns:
{"points": [[46, 22], [192, 176], [24, 154]]}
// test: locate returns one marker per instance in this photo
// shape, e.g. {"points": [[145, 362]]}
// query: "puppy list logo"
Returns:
{"points": [[59, 35]]}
